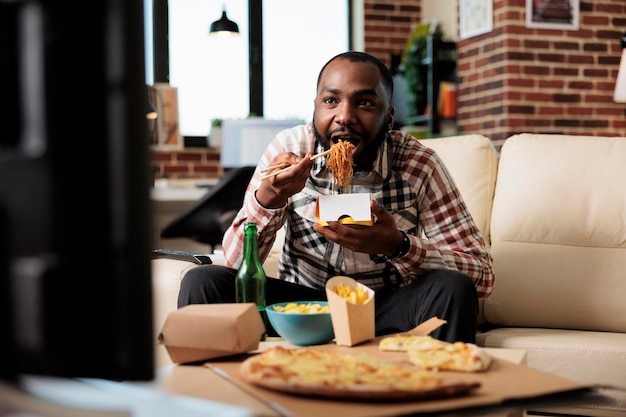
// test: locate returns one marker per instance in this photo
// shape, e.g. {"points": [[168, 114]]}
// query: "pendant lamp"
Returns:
{"points": [[224, 26], [620, 86]]}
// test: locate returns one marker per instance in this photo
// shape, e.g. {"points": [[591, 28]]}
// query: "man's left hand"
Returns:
{"points": [[382, 238]]}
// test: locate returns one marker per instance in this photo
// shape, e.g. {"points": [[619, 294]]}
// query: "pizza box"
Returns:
{"points": [[505, 388], [353, 209], [352, 323], [204, 331]]}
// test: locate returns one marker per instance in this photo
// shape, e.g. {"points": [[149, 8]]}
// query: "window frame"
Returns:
{"points": [[160, 47]]}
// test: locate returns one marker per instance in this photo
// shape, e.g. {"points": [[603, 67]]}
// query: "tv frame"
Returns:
{"points": [[75, 217]]}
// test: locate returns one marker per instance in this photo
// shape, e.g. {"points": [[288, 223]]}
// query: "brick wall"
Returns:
{"points": [[387, 25], [186, 163], [516, 79]]}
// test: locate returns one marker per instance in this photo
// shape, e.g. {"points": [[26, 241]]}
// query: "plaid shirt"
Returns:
{"points": [[408, 179]]}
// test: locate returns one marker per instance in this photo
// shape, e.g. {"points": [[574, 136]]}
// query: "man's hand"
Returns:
{"points": [[383, 238], [275, 191]]}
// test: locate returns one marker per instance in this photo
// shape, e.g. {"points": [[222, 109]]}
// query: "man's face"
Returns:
{"points": [[352, 104]]}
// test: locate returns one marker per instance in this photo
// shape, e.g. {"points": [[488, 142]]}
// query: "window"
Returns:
{"points": [[298, 38], [212, 74]]}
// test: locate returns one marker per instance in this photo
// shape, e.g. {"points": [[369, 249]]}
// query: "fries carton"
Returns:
{"points": [[352, 323], [345, 208]]}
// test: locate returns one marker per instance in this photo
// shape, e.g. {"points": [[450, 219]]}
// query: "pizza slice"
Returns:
{"points": [[406, 341], [458, 356], [429, 353]]}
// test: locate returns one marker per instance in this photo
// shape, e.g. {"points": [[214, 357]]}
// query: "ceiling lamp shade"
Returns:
{"points": [[620, 86], [224, 26]]}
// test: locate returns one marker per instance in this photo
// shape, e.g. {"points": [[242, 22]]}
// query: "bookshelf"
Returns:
{"points": [[439, 66]]}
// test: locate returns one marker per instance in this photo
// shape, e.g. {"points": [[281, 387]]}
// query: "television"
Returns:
{"points": [[75, 280]]}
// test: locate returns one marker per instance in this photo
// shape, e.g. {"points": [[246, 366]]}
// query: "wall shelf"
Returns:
{"points": [[438, 66]]}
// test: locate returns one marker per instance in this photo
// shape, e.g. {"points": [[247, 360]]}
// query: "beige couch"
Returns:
{"points": [[553, 209]]}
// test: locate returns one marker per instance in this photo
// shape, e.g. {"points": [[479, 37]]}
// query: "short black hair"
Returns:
{"points": [[355, 56]]}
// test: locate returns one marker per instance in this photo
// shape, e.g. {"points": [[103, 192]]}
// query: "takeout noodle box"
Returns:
{"points": [[344, 208], [203, 331], [352, 323]]}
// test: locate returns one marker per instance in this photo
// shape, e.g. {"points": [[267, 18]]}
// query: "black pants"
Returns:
{"points": [[449, 295]]}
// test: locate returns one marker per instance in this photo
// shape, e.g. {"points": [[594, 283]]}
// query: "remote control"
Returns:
{"points": [[197, 258]]}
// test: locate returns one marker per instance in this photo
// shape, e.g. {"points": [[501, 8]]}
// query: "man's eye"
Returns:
{"points": [[329, 100]]}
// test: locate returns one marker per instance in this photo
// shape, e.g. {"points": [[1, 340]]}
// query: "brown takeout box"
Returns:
{"points": [[203, 331], [352, 323], [353, 208]]}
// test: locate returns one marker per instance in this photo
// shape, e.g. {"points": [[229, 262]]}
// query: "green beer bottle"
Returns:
{"points": [[250, 280]]}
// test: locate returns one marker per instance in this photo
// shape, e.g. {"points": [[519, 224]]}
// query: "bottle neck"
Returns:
{"points": [[250, 246]]}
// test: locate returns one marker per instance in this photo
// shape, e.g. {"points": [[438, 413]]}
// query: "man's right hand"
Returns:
{"points": [[275, 191]]}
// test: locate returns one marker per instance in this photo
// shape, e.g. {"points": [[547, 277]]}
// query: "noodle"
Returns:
{"points": [[339, 161]]}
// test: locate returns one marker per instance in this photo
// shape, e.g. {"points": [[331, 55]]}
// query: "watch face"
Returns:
{"points": [[406, 244]]}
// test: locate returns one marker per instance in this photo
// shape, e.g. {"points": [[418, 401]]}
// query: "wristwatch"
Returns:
{"points": [[404, 247]]}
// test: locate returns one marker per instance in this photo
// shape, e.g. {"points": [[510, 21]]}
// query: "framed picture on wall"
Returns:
{"points": [[552, 14], [475, 17]]}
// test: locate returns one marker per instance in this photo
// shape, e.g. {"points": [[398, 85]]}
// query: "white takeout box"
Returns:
{"points": [[344, 208]]}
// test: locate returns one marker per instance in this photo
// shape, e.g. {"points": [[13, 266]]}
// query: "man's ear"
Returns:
{"points": [[389, 121], [391, 111]]}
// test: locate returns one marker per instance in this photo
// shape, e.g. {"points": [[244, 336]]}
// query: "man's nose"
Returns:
{"points": [[346, 114]]}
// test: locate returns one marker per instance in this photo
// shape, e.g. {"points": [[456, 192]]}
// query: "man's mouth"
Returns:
{"points": [[352, 140], [346, 138]]}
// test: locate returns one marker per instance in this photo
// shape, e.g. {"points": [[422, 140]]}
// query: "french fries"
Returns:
{"points": [[354, 296], [308, 308]]}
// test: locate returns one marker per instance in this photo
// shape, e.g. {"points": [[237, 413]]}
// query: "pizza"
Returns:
{"points": [[405, 341], [429, 353], [307, 371]]}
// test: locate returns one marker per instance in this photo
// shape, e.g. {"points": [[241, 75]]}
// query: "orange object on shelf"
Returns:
{"points": [[449, 103]]}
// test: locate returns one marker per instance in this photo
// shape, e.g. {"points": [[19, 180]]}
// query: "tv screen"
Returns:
{"points": [[75, 281]]}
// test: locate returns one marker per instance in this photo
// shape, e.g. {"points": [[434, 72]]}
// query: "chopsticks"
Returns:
{"points": [[320, 154], [271, 167], [273, 174]]}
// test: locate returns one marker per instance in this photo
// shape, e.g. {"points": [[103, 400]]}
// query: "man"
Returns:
{"points": [[424, 256]]}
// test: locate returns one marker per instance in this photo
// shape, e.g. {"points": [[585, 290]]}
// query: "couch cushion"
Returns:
{"points": [[558, 234], [587, 357], [473, 162]]}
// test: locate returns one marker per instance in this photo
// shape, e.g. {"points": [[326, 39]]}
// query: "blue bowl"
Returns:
{"points": [[302, 329]]}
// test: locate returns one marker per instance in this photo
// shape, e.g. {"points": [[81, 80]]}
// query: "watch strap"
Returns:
{"points": [[404, 247]]}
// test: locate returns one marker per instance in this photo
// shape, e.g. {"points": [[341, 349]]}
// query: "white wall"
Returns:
{"points": [[447, 14]]}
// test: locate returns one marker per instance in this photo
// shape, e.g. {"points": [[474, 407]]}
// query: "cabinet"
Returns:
{"points": [[439, 65]]}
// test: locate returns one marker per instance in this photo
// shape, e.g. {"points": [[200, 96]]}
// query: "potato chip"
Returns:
{"points": [[308, 308]]}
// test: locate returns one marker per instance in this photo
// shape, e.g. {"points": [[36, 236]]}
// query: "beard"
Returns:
{"points": [[364, 161]]}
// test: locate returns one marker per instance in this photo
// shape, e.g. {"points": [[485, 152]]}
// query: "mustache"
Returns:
{"points": [[344, 131]]}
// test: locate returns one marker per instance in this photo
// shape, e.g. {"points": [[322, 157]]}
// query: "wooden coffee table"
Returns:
{"points": [[195, 381], [196, 390]]}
